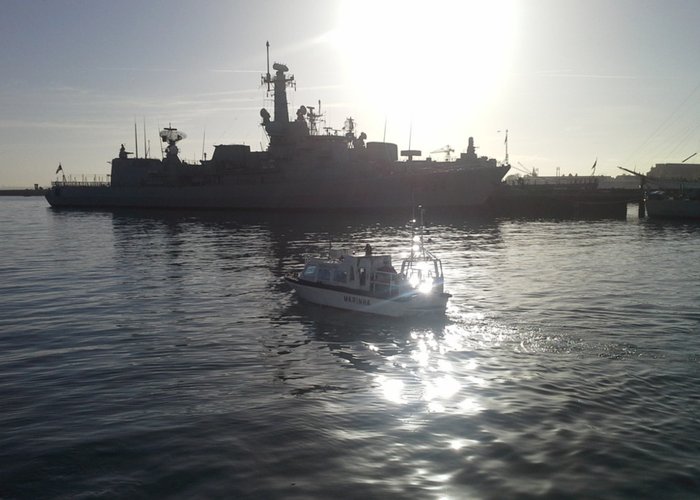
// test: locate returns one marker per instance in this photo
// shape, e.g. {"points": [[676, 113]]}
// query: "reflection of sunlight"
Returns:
{"points": [[477, 381], [481, 330], [425, 343], [470, 406], [458, 444], [443, 372], [392, 389], [441, 387], [435, 407], [421, 356], [444, 365]]}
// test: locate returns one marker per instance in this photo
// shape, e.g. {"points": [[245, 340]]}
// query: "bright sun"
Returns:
{"points": [[415, 60]]}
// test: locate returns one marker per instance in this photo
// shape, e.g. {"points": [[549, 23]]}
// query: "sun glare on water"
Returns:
{"points": [[412, 60]]}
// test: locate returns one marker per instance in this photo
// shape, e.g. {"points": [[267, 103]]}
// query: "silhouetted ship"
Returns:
{"points": [[301, 169]]}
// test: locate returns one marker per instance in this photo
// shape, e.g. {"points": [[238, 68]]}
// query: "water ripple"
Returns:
{"points": [[148, 354]]}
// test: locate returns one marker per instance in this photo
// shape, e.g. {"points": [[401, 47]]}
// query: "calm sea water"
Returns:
{"points": [[159, 354]]}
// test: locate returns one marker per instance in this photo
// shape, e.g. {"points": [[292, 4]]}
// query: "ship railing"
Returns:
{"points": [[80, 184]]}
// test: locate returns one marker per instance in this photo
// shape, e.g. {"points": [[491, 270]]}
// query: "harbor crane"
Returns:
{"points": [[448, 150], [534, 172]]}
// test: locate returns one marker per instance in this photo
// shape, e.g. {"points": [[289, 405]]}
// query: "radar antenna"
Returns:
{"points": [[171, 136], [314, 118], [349, 126]]}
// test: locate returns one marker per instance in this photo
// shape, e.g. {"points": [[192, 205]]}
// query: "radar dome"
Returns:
{"points": [[172, 135]]}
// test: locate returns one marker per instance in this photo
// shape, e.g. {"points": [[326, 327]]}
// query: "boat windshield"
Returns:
{"points": [[309, 272]]}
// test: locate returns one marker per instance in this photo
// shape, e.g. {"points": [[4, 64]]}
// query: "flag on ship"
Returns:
{"points": [[594, 165], [59, 169]]}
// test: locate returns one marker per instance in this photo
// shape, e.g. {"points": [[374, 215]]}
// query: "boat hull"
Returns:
{"points": [[459, 188], [413, 305], [673, 209]]}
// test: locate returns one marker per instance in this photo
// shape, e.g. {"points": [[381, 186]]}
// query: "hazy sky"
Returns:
{"points": [[572, 81]]}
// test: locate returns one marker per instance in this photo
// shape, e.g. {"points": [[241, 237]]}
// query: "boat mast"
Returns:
{"points": [[417, 251], [413, 231], [421, 212], [136, 141]]}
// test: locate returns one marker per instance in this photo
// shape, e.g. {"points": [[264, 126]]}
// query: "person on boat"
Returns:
{"points": [[368, 250], [122, 152]]}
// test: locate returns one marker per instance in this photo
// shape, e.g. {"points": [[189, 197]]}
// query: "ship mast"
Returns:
{"points": [[267, 77], [314, 118], [280, 83]]}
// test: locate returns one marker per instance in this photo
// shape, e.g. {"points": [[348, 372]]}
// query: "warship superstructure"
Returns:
{"points": [[300, 169]]}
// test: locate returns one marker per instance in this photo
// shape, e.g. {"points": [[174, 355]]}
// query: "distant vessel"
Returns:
{"points": [[668, 197], [680, 203], [301, 169], [561, 196], [369, 283], [36, 191]]}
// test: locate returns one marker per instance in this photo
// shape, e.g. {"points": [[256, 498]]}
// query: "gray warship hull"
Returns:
{"points": [[460, 188]]}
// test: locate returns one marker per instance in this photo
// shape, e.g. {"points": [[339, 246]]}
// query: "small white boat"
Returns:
{"points": [[370, 284]]}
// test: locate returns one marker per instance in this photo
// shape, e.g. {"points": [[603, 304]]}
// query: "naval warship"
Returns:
{"points": [[301, 168]]}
